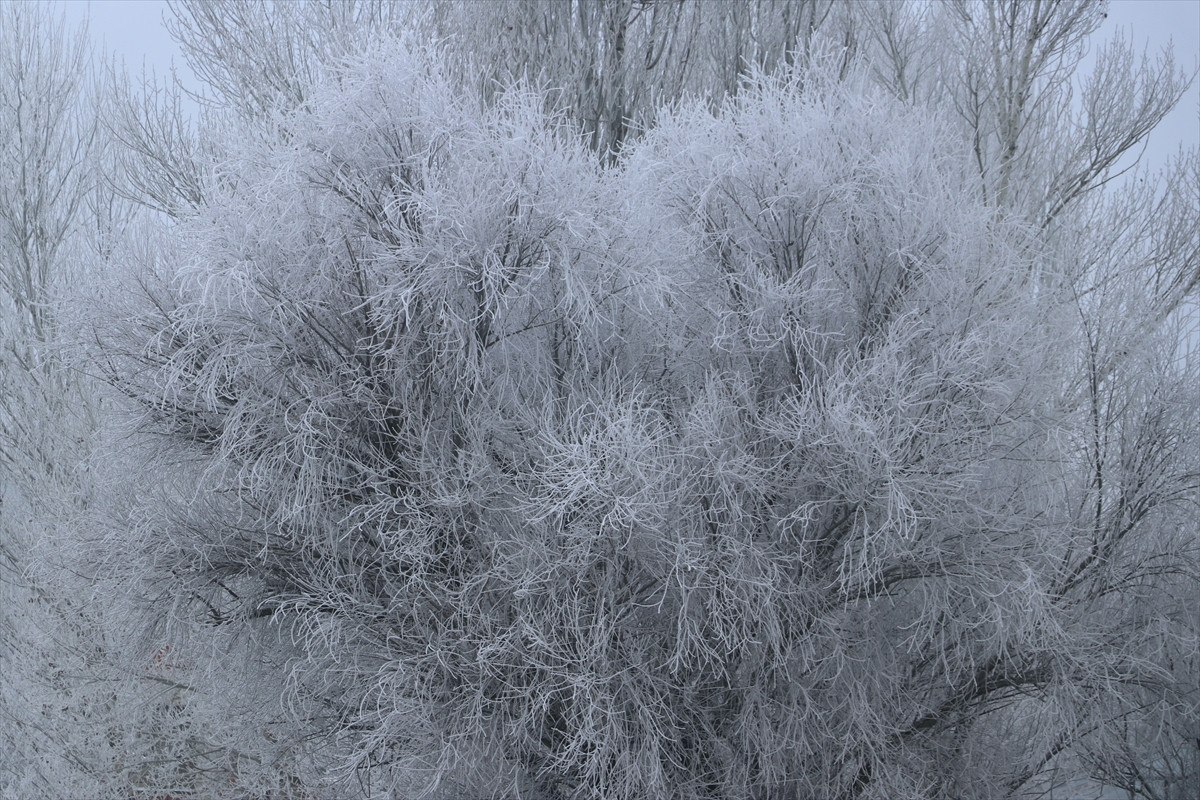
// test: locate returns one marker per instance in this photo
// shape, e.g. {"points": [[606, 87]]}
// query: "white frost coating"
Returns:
{"points": [[811, 443]]}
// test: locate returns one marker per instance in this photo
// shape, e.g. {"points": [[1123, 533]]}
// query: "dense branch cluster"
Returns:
{"points": [[707, 412]]}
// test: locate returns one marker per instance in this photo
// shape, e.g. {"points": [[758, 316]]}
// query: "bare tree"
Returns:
{"points": [[262, 56], [612, 67], [47, 143], [1050, 147], [83, 713]]}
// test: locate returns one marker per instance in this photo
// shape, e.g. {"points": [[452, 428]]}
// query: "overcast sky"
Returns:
{"points": [[133, 30]]}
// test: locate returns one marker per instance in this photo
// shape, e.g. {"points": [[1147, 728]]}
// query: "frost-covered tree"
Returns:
{"points": [[48, 175], [1052, 147], [83, 712], [750, 465], [612, 67], [257, 57], [832, 435]]}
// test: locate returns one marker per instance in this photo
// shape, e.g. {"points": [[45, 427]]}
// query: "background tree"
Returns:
{"points": [[1048, 156], [612, 67], [86, 711], [48, 148]]}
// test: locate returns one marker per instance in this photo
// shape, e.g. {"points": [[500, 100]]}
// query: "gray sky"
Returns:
{"points": [[133, 30]]}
